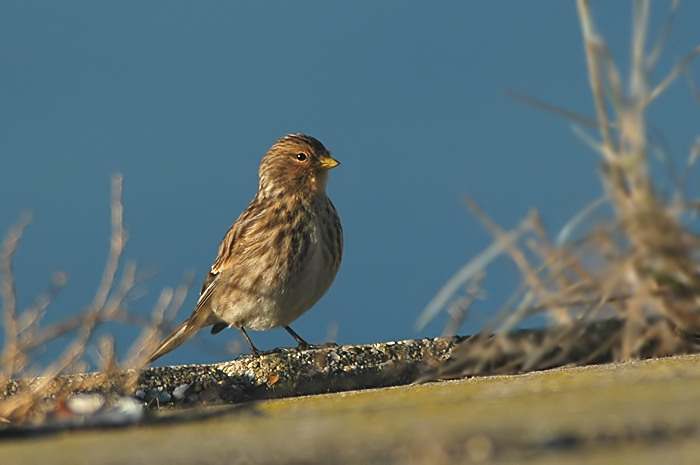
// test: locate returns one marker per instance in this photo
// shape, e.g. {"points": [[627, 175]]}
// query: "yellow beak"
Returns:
{"points": [[329, 162]]}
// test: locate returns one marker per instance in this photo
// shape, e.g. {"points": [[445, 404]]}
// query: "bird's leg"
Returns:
{"points": [[253, 349], [302, 343]]}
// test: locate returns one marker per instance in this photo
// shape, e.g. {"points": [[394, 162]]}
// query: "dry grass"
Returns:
{"points": [[635, 278], [24, 334]]}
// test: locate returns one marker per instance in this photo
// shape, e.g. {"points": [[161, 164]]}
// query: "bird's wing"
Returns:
{"points": [[233, 237], [236, 235]]}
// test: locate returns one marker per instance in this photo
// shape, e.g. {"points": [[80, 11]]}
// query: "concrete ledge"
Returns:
{"points": [[285, 373], [624, 413], [289, 373]]}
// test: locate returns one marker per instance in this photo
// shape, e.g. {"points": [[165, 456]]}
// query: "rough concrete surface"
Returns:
{"points": [[636, 412]]}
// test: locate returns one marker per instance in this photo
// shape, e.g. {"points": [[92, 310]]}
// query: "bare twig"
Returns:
{"points": [[570, 115], [110, 303], [592, 45], [10, 353], [117, 243]]}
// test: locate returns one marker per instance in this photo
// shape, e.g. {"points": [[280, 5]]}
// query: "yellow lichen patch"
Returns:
{"points": [[616, 413]]}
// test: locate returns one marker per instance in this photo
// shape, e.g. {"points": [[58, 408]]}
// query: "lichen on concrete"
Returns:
{"points": [[327, 369]]}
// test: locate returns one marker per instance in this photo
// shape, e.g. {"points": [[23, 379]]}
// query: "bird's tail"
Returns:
{"points": [[183, 332]]}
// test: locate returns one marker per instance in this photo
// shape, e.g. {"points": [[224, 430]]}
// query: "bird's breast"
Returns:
{"points": [[306, 257], [313, 273]]}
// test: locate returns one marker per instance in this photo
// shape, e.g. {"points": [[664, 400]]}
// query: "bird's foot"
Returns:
{"points": [[307, 346], [299, 348]]}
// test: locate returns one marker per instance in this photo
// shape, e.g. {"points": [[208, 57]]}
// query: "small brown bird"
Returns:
{"points": [[280, 256]]}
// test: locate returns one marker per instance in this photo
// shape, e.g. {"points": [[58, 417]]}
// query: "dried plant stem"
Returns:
{"points": [[641, 267], [592, 43], [117, 244], [110, 303], [10, 353]]}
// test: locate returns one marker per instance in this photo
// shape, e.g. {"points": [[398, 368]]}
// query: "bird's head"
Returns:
{"points": [[295, 165]]}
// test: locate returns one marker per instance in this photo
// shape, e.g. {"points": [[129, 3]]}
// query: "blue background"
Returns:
{"points": [[184, 98]]}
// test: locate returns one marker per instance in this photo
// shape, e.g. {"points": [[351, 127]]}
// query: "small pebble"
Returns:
{"points": [[85, 404], [179, 392]]}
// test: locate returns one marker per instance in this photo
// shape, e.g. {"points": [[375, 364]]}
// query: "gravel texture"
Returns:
{"points": [[292, 372]]}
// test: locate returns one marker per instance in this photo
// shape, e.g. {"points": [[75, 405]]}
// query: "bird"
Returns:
{"points": [[280, 256]]}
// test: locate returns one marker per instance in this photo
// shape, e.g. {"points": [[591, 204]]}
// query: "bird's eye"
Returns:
{"points": [[302, 156]]}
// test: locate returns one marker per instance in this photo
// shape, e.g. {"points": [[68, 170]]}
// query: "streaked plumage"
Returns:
{"points": [[281, 255]]}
